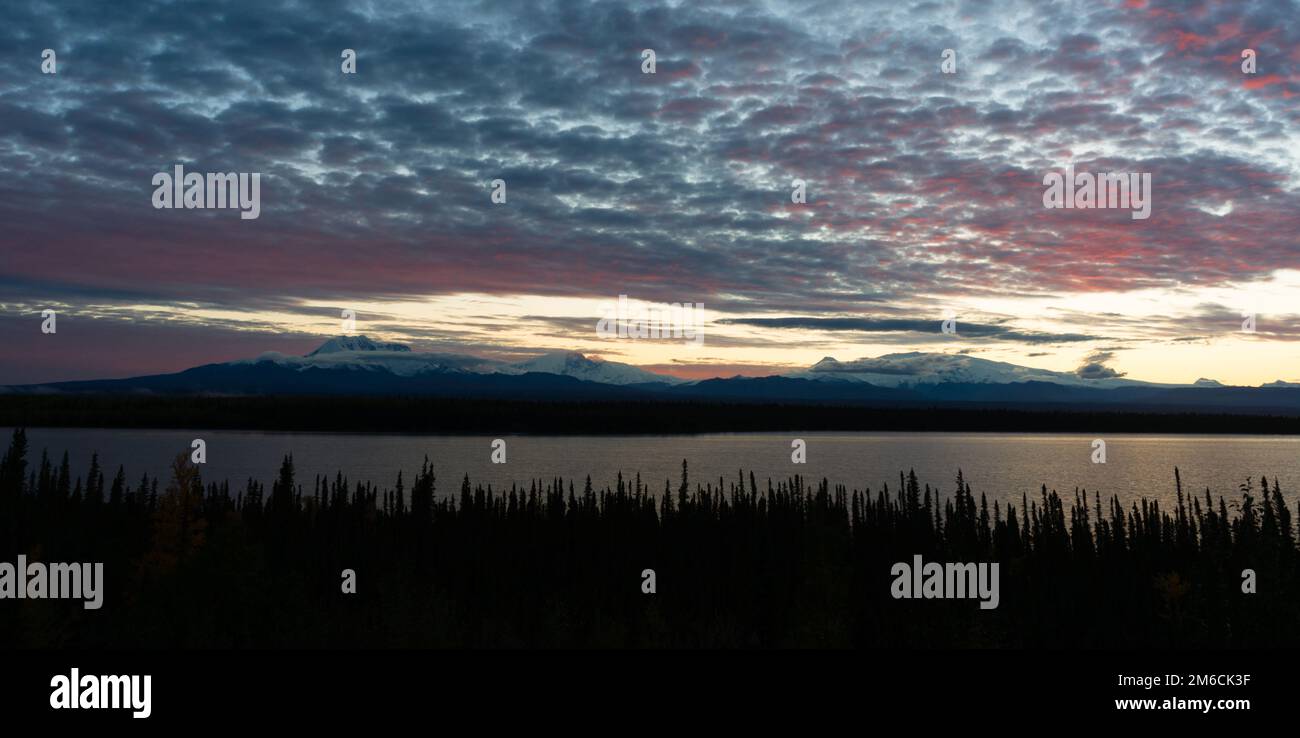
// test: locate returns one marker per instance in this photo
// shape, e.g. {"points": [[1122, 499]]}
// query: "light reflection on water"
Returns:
{"points": [[1003, 465]]}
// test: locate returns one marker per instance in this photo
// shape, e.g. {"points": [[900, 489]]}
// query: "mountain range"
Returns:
{"points": [[357, 365]]}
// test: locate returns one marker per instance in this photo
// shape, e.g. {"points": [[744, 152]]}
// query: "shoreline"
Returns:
{"points": [[470, 416]]}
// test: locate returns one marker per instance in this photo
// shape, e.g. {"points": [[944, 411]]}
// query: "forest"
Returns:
{"points": [[739, 563]]}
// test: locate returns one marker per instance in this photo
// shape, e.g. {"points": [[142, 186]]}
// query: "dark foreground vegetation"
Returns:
{"points": [[738, 564], [601, 417]]}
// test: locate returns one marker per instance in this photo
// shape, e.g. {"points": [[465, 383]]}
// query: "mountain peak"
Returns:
{"points": [[559, 362], [593, 369], [339, 344], [918, 368], [568, 354], [1281, 383]]}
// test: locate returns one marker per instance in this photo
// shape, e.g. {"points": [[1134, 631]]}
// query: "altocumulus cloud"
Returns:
{"points": [[668, 186]]}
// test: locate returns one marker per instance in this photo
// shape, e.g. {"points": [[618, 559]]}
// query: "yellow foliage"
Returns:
{"points": [[178, 525]]}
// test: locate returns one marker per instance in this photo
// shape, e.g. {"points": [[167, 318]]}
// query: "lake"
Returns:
{"points": [[1003, 465]]}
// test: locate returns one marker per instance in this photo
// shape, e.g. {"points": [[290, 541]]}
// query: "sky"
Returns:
{"points": [[924, 189]]}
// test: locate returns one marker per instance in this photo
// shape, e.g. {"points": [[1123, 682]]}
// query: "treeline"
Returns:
{"points": [[509, 416], [737, 563]]}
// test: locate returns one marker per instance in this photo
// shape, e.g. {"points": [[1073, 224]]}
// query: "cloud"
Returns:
{"points": [[911, 325], [1094, 367], [673, 186]]}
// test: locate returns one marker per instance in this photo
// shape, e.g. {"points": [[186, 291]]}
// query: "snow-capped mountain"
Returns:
{"points": [[574, 364], [360, 353], [359, 366], [342, 344], [917, 369]]}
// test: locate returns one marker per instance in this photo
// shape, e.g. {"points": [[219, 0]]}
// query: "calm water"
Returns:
{"points": [[1002, 465]]}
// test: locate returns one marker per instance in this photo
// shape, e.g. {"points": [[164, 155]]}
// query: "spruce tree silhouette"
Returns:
{"points": [[793, 562]]}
